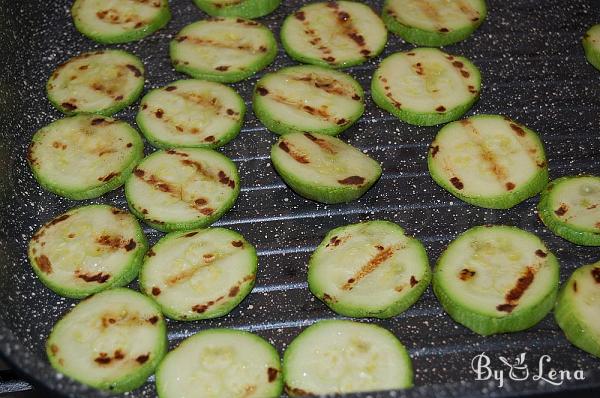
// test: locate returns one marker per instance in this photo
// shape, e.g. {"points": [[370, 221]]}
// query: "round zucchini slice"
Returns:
{"points": [[119, 21], [88, 249], [182, 189], [191, 113], [336, 34], [489, 161], [433, 23], [102, 82], [339, 357], [578, 306], [223, 49], [200, 274], [570, 207], [496, 279], [113, 341], [369, 269], [84, 156], [425, 86], [238, 8], [221, 363], [591, 46], [323, 168], [308, 99]]}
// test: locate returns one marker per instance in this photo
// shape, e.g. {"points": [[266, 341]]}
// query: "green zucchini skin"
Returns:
{"points": [[344, 308], [578, 330], [135, 146], [425, 118], [215, 310], [168, 225], [245, 8], [591, 45], [128, 274], [279, 123], [326, 59], [573, 233], [505, 200], [128, 381], [129, 34], [143, 119], [224, 76], [127, 97], [486, 324], [428, 38]]}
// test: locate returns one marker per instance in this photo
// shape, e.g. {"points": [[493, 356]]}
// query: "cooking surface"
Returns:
{"points": [[533, 70]]}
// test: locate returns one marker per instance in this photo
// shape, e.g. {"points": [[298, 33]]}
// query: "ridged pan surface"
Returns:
{"points": [[534, 71]]}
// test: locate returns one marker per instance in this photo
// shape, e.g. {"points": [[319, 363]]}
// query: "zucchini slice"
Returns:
{"points": [[113, 341], [199, 274], [323, 168], [425, 86], [119, 21], [338, 357], [570, 207], [191, 113], [336, 34], [223, 49], [238, 8], [496, 279], [308, 98], [591, 45], [84, 156], [433, 23], [182, 189], [102, 82], [218, 363], [88, 249], [577, 308], [489, 161], [369, 269]]}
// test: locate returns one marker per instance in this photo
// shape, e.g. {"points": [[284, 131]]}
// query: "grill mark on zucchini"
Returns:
{"points": [[371, 266], [246, 48], [300, 158], [327, 84], [352, 180], [466, 274], [321, 112], [323, 144], [315, 40], [344, 20], [596, 274], [43, 263], [116, 242], [513, 295], [87, 277]]}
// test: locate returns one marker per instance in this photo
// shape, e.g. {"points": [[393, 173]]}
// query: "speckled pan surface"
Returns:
{"points": [[534, 71]]}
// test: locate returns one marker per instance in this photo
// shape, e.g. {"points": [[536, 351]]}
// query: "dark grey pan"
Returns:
{"points": [[533, 70]]}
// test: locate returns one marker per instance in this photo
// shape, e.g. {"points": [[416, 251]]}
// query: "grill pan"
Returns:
{"points": [[533, 70]]}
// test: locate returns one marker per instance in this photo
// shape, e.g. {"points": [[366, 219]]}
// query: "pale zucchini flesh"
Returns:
{"points": [[217, 363], [102, 82], [434, 23], [425, 86], [199, 274], [570, 207], [338, 357], [182, 189], [578, 306], [308, 99], [238, 8], [369, 269], [591, 45], [191, 113], [334, 34], [323, 168], [488, 161], [223, 49], [496, 279], [84, 156], [87, 249], [112, 341], [119, 21]]}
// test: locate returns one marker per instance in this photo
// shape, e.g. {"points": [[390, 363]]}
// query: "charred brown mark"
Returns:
{"points": [[323, 144], [419, 70], [296, 392], [434, 150], [54, 349], [300, 15], [334, 241], [151, 252], [575, 286], [159, 113], [562, 210], [225, 180], [352, 180], [222, 68], [441, 108], [108, 177], [237, 243], [328, 84], [272, 374], [514, 294], [472, 90], [233, 291], [43, 263], [221, 45], [464, 73], [509, 186], [143, 358], [518, 129], [153, 319], [444, 30], [506, 307], [156, 291], [98, 277], [170, 88], [68, 106], [466, 274], [596, 274], [262, 91], [134, 69], [541, 253], [58, 219], [458, 184], [413, 281], [210, 138], [300, 158], [366, 269], [329, 298], [116, 242], [97, 121]]}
